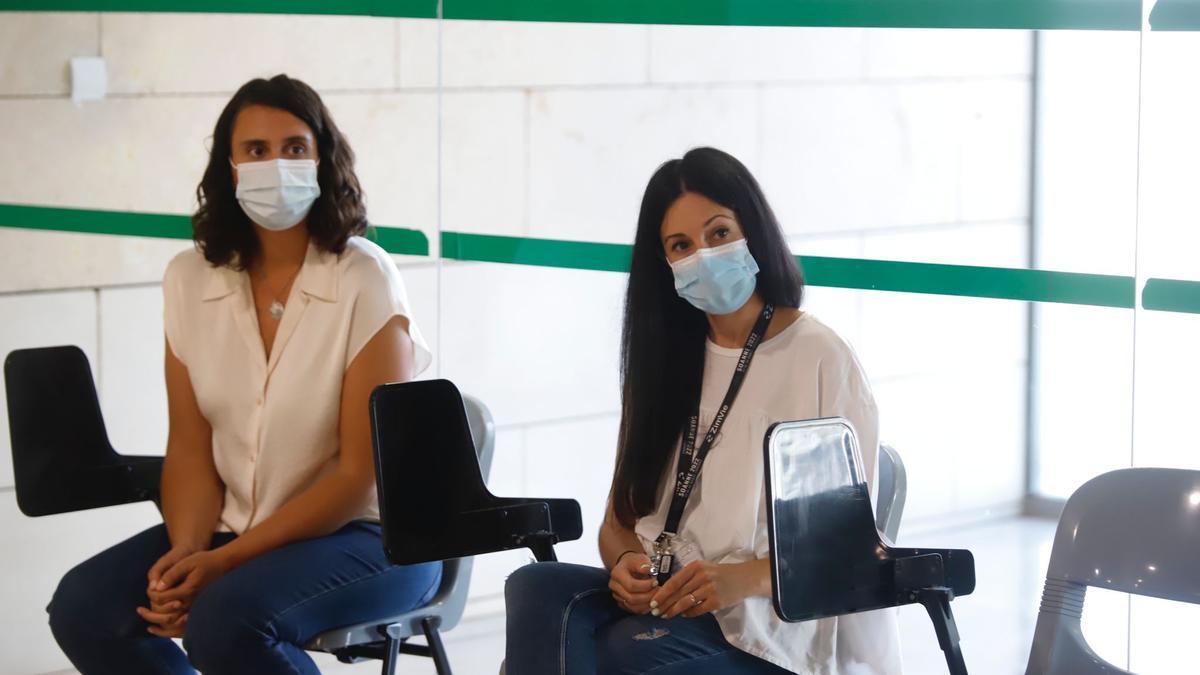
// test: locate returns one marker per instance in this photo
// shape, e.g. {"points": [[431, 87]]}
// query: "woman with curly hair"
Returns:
{"points": [[278, 326]]}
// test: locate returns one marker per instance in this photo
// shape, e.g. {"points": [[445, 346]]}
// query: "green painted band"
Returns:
{"points": [[579, 255], [877, 275], [1172, 295], [1100, 290], [164, 226], [1021, 14]]}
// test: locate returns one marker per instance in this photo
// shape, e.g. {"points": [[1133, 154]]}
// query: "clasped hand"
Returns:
{"points": [[699, 588], [173, 583]]}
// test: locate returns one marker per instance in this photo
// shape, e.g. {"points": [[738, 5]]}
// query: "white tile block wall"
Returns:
{"points": [[592, 152], [421, 281], [169, 53], [850, 157], [987, 244], [395, 143], [924, 54], [133, 393], [755, 54], [43, 320], [484, 162], [36, 49], [533, 343], [129, 155], [36, 554], [575, 459], [43, 260], [521, 54]]}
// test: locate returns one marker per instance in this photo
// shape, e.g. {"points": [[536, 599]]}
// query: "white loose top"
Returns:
{"points": [[274, 417], [804, 372]]}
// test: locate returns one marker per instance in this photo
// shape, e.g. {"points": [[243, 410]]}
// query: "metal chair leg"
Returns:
{"points": [[937, 604], [391, 656], [437, 649]]}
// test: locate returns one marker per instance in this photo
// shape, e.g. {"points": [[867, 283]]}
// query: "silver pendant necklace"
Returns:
{"points": [[276, 307]]}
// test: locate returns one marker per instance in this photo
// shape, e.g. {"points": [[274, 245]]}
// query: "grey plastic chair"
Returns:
{"points": [[892, 491], [827, 554], [1134, 530], [451, 598]]}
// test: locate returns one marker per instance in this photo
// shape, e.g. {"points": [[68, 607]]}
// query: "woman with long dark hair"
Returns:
{"points": [[714, 350], [278, 326]]}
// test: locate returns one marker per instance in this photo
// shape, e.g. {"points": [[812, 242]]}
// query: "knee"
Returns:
{"points": [[541, 583], [222, 624], [80, 605], [69, 606]]}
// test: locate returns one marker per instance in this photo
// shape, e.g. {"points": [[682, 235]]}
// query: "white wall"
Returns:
{"points": [[906, 145]]}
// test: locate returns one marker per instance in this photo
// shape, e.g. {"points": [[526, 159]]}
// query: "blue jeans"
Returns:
{"points": [[255, 619], [562, 620]]}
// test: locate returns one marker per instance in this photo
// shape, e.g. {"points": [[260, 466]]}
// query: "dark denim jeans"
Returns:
{"points": [[562, 620], [256, 619]]}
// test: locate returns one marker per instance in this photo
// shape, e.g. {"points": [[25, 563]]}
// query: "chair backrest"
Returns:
{"points": [[891, 492], [1133, 530], [456, 573], [428, 468], [57, 431], [824, 542]]}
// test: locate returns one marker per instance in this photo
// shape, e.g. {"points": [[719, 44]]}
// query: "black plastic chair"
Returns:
{"points": [[827, 557], [434, 504], [62, 459]]}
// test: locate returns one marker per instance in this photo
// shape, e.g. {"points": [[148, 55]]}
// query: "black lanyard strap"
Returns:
{"points": [[691, 458]]}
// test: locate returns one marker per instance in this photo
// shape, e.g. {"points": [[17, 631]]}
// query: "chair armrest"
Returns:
{"points": [[130, 479], [507, 524], [958, 566]]}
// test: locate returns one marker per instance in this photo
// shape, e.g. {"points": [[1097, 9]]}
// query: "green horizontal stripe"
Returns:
{"points": [[578, 255], [96, 222], [164, 226], [876, 275], [1175, 15], [417, 9], [1172, 295], [1024, 14], [1101, 290]]}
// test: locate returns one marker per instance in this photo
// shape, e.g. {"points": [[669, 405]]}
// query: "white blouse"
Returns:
{"points": [[274, 417], [804, 372]]}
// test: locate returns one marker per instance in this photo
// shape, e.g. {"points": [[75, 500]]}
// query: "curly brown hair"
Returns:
{"points": [[223, 232]]}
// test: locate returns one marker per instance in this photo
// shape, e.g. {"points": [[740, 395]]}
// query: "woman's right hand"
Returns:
{"points": [[154, 576], [167, 619], [631, 584]]}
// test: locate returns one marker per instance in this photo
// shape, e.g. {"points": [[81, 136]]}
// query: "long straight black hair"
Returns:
{"points": [[662, 342]]}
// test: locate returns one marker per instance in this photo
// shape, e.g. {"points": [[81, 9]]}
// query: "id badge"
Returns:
{"points": [[686, 552]]}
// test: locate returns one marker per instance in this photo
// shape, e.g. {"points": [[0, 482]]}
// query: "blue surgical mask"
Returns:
{"points": [[277, 194], [717, 280]]}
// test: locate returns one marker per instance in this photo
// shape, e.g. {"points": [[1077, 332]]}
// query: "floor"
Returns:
{"points": [[996, 622]]}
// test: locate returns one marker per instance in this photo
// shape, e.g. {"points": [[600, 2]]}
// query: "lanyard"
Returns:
{"points": [[691, 458]]}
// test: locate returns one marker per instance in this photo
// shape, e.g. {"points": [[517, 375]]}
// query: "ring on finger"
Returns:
{"points": [[695, 601]]}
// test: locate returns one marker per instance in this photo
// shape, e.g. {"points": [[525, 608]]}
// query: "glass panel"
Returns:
{"points": [[1168, 365]]}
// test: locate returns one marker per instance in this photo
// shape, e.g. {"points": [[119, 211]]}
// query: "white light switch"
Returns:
{"points": [[89, 78]]}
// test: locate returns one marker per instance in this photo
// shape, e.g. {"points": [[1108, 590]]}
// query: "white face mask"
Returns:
{"points": [[277, 194]]}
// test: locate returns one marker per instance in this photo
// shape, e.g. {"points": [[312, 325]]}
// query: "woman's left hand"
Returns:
{"points": [[704, 587], [186, 578]]}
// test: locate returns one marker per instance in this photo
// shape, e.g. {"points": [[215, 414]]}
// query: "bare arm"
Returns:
{"points": [[192, 492], [337, 497], [615, 539]]}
